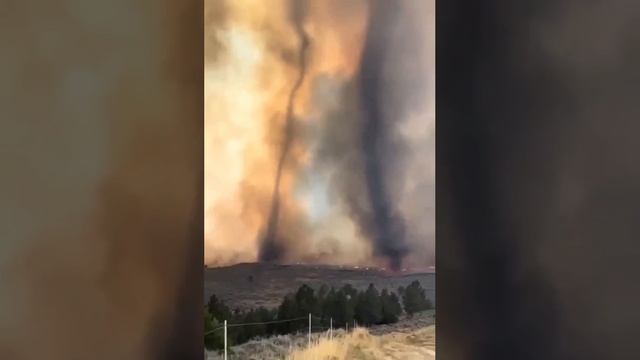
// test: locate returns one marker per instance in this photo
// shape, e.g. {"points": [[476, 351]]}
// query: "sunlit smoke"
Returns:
{"points": [[270, 249], [285, 146]]}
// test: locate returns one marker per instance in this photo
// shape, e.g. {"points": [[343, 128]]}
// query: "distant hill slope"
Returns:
{"points": [[258, 284]]}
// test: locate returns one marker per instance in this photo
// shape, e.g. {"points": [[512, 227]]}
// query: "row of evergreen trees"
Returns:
{"points": [[342, 306]]}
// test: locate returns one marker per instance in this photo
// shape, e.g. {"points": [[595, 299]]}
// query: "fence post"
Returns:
{"points": [[225, 340], [330, 328], [309, 330]]}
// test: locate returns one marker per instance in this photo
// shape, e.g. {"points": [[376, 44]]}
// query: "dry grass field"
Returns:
{"points": [[362, 345], [409, 339]]}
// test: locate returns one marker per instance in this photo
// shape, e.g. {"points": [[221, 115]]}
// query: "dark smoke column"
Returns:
{"points": [[386, 226], [271, 250]]}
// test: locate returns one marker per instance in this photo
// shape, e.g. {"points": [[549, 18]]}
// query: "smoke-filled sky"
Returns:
{"points": [[319, 132]]}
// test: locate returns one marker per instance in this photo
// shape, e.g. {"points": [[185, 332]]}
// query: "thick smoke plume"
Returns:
{"points": [[252, 67], [378, 143], [334, 101], [271, 250], [386, 225]]}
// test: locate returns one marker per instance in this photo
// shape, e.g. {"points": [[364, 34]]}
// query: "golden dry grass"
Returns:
{"points": [[361, 345], [410, 338]]}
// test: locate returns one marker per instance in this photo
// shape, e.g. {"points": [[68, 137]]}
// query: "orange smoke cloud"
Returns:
{"points": [[250, 68]]}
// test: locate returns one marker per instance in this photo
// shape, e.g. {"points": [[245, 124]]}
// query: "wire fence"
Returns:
{"points": [[221, 327], [309, 318], [311, 327]]}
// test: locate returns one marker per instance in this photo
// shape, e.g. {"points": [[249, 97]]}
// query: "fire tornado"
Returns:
{"points": [[270, 250], [319, 132]]}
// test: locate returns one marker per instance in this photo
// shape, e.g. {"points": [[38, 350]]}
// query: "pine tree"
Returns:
{"points": [[322, 292], [305, 300], [253, 331], [368, 310], [396, 308], [414, 299], [287, 310], [214, 337], [349, 290], [391, 308], [343, 308], [329, 307], [218, 309]]}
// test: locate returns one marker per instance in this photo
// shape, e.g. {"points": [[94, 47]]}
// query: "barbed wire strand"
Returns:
{"points": [[255, 323], [268, 322], [321, 327]]}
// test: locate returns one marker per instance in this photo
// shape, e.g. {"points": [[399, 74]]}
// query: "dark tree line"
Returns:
{"points": [[342, 306], [414, 298]]}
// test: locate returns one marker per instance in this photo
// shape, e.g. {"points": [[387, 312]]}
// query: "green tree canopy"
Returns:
{"points": [[305, 300], [218, 309], [213, 339], [414, 299], [368, 310], [391, 308]]}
